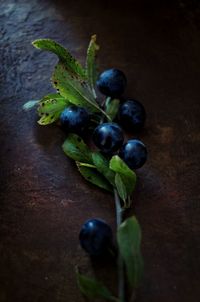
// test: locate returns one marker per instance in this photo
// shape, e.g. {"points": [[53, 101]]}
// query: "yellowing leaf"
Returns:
{"points": [[50, 108]]}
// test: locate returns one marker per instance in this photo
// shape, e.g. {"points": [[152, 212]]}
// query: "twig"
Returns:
{"points": [[120, 264]]}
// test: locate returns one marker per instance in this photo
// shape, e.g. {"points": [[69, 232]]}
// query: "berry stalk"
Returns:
{"points": [[120, 264]]}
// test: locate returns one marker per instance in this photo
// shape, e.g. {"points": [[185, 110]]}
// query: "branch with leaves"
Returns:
{"points": [[76, 85]]}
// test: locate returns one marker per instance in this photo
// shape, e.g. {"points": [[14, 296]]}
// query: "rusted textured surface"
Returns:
{"points": [[44, 200]]}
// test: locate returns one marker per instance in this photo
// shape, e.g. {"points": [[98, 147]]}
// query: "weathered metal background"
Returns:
{"points": [[43, 199]]}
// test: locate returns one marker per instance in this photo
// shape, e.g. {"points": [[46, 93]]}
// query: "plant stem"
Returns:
{"points": [[94, 93], [87, 165], [120, 264], [105, 114], [133, 296]]}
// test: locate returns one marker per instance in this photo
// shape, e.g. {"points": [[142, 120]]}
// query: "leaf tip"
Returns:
{"points": [[94, 37], [93, 40], [38, 43], [29, 105], [35, 43]]}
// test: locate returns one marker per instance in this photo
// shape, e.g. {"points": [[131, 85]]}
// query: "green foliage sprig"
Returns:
{"points": [[76, 85]]}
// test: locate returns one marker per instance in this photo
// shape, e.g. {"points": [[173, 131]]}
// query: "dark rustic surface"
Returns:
{"points": [[43, 199]]}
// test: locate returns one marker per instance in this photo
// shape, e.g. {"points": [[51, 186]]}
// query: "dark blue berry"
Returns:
{"points": [[96, 237], [134, 153], [132, 115], [108, 137], [74, 119], [112, 82]]}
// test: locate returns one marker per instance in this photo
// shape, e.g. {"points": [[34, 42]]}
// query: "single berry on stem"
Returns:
{"points": [[74, 119], [96, 237], [112, 82], [134, 153], [132, 115], [108, 137]]}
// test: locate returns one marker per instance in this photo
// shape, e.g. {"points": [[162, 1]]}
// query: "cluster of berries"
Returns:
{"points": [[95, 235], [109, 137]]}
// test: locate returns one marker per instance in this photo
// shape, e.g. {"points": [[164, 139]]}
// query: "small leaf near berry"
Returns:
{"points": [[92, 288], [75, 148], [50, 108], [93, 176]]}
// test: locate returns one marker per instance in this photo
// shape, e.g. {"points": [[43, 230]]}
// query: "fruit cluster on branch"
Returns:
{"points": [[109, 164]]}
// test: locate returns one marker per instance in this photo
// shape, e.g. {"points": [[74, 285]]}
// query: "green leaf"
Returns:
{"points": [[91, 69], [112, 107], [102, 165], [63, 54], [127, 175], [93, 176], [73, 88], [93, 289], [75, 148], [121, 188], [129, 241], [30, 104], [50, 108], [118, 165]]}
